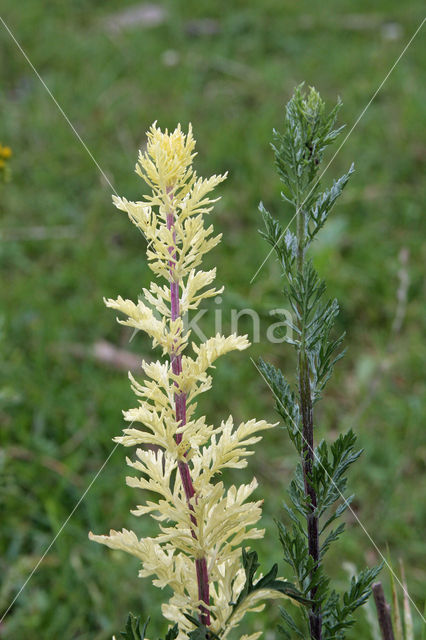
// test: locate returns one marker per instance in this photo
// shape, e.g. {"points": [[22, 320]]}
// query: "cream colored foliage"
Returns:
{"points": [[217, 520], [166, 167], [193, 375], [169, 335], [167, 162], [228, 447], [191, 290]]}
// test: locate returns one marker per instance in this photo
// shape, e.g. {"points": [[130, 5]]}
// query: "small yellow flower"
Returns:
{"points": [[5, 152]]}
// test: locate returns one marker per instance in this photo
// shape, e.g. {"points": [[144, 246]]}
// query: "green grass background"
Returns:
{"points": [[59, 412]]}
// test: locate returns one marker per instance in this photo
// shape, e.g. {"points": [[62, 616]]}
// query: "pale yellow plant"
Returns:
{"points": [[202, 524]]}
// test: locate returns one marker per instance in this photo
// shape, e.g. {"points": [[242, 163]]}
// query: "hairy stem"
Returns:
{"points": [[305, 400], [180, 408]]}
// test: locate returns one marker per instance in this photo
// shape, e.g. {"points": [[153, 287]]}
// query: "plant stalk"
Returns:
{"points": [[383, 612], [180, 408], [306, 411]]}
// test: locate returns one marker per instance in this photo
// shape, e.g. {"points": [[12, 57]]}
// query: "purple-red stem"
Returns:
{"points": [[180, 407]]}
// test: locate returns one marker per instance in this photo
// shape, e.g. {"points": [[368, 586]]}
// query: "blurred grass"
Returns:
{"points": [[59, 412]]}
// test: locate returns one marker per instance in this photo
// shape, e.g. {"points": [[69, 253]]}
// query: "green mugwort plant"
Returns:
{"points": [[317, 492]]}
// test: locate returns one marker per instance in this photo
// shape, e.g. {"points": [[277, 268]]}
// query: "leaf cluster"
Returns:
{"points": [[300, 149], [268, 581], [134, 631]]}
